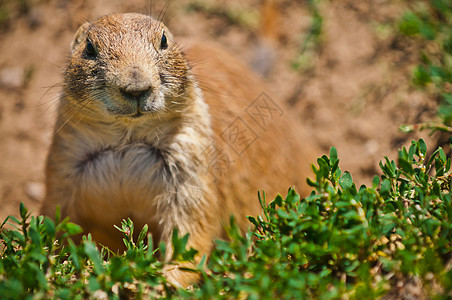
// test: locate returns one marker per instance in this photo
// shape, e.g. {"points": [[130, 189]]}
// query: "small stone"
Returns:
{"points": [[429, 276], [35, 18], [99, 294], [11, 78], [35, 190]]}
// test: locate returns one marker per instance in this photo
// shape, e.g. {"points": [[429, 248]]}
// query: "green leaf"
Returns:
{"points": [[142, 234], [4, 222], [385, 187], [388, 168], [410, 24], [323, 169], [73, 229], [406, 165], [422, 147], [12, 218], [261, 199], [162, 248], [426, 29], [57, 215], [63, 293], [335, 170], [333, 155], [39, 276], [421, 76], [93, 284], [375, 181], [23, 211], [311, 182], [74, 257], [253, 221], [202, 262], [35, 237], [346, 180], [49, 226], [442, 155], [292, 197], [93, 254], [282, 214]]}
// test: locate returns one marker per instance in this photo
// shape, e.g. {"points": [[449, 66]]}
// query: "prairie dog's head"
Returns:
{"points": [[125, 65]]}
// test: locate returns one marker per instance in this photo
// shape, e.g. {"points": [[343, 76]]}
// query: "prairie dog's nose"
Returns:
{"points": [[133, 94], [136, 85]]}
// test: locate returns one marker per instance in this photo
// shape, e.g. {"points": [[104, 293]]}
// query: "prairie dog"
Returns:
{"points": [[165, 137]]}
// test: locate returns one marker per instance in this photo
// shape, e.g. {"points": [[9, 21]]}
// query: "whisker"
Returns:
{"points": [[81, 117], [169, 20], [71, 115], [52, 101], [162, 13], [64, 124], [150, 8], [77, 107]]}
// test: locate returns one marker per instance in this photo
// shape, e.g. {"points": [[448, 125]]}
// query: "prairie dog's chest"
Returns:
{"points": [[134, 180], [128, 174]]}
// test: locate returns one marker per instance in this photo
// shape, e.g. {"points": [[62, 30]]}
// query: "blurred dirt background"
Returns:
{"points": [[340, 66]]}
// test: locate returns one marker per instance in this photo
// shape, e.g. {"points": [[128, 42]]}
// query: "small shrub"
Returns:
{"points": [[339, 242], [428, 23], [343, 240]]}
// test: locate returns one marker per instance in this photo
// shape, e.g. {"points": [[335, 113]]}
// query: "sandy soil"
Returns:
{"points": [[352, 92]]}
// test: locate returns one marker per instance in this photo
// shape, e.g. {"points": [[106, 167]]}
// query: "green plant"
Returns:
{"points": [[340, 241], [10, 9], [232, 13], [428, 23], [38, 259], [343, 240], [311, 41]]}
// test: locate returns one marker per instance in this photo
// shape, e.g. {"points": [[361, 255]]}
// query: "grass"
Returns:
{"points": [[11, 9], [339, 242], [427, 24]]}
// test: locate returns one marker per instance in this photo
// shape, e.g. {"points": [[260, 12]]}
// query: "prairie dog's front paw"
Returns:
{"points": [[180, 278]]}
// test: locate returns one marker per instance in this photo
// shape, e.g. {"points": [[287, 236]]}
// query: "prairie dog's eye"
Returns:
{"points": [[164, 42], [90, 50]]}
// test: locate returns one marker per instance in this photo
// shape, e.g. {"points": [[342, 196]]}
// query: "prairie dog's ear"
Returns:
{"points": [[80, 35]]}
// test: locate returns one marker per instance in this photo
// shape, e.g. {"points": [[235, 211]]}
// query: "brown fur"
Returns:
{"points": [[148, 133]]}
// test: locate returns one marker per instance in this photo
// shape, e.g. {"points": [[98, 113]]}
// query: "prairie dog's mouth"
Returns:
{"points": [[129, 113], [133, 104], [136, 96]]}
